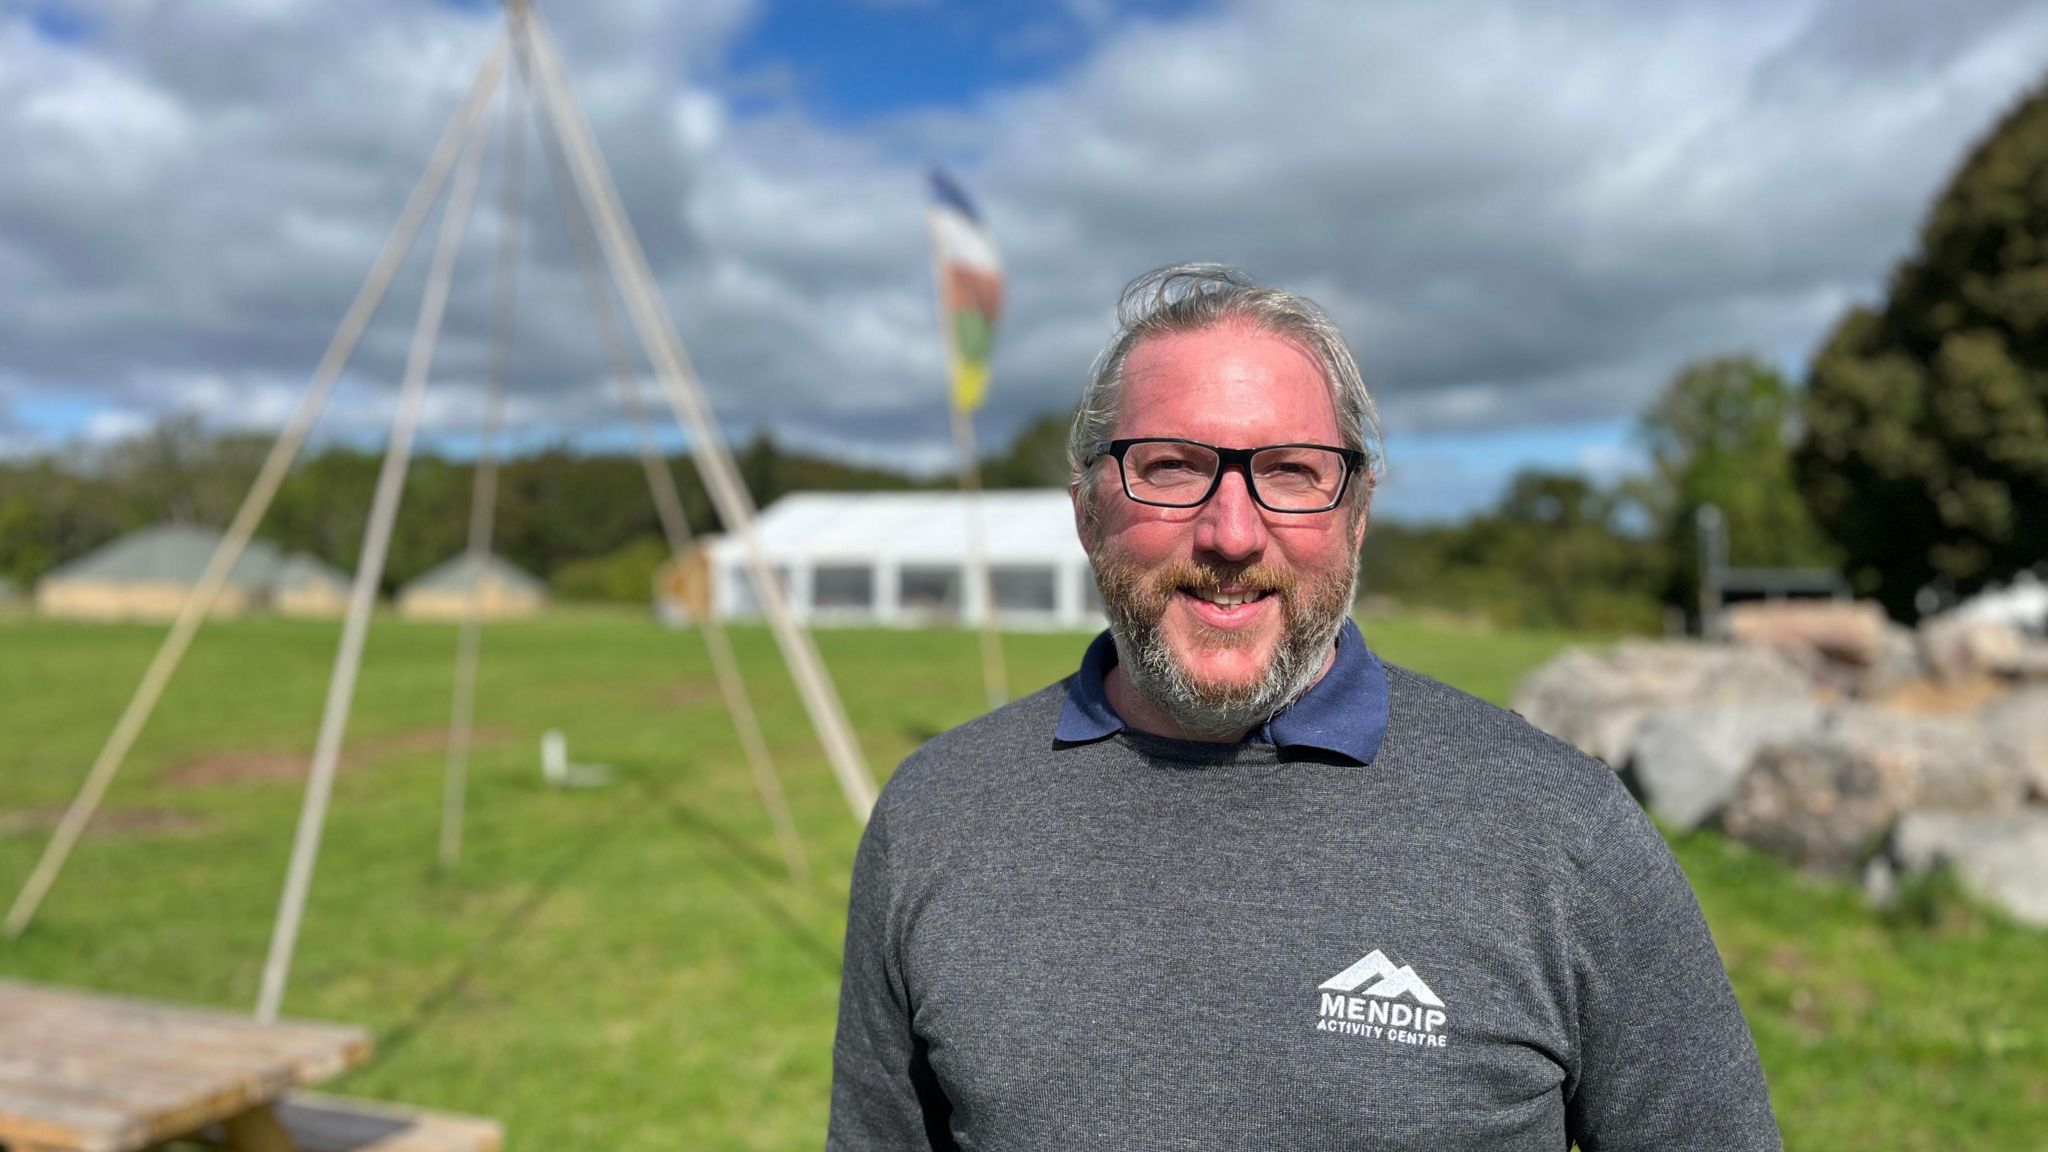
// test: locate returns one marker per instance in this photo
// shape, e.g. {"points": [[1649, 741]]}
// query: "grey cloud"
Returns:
{"points": [[1549, 206], [1522, 214]]}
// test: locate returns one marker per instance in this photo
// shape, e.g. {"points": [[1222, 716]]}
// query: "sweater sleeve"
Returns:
{"points": [[1665, 1059], [884, 1097]]}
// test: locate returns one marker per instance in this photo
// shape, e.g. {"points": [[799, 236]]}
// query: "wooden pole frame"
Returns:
{"points": [[463, 141], [193, 612]]}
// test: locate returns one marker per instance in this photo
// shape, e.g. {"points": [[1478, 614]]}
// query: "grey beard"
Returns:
{"points": [[1218, 714], [1221, 713]]}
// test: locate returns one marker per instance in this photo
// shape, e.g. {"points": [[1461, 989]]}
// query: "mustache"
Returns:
{"points": [[1187, 575]]}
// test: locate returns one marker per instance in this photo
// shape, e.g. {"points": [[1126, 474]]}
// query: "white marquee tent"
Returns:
{"points": [[903, 558]]}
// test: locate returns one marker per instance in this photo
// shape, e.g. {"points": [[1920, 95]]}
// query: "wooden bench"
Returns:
{"points": [[317, 1123], [88, 1072]]}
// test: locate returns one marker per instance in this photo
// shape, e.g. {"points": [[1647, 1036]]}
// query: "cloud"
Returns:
{"points": [[1525, 215]]}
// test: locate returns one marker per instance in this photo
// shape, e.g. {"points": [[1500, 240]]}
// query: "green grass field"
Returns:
{"points": [[627, 968]]}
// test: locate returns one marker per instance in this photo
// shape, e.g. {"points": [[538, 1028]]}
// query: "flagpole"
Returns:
{"points": [[994, 680]]}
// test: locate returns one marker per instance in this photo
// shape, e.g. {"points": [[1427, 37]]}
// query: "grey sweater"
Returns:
{"points": [[1476, 941]]}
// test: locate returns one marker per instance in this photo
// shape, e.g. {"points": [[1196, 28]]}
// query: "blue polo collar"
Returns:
{"points": [[1344, 713]]}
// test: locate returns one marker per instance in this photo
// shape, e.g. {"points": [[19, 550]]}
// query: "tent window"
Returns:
{"points": [[843, 586], [930, 591], [1019, 588]]}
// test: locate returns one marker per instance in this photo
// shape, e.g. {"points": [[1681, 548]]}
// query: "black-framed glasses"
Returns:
{"points": [[1170, 472]]}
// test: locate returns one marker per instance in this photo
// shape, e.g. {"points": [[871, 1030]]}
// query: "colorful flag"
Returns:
{"points": [[970, 289]]}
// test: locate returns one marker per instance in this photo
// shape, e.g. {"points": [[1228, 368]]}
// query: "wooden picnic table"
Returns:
{"points": [[86, 1072]]}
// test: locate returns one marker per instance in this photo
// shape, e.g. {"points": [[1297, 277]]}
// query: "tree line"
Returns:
{"points": [[583, 520]]}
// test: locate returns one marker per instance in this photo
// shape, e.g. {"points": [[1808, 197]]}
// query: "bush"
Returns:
{"points": [[624, 575]]}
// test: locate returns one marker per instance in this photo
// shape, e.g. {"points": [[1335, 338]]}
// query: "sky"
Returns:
{"points": [[1527, 217]]}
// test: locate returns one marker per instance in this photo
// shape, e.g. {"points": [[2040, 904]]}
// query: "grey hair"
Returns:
{"points": [[1195, 297]]}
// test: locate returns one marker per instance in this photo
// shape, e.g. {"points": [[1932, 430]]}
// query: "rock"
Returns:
{"points": [[1899, 662], [1685, 763], [1958, 646], [2020, 722], [1842, 632], [2031, 662], [1850, 645], [1999, 857], [1825, 799], [1598, 700]]}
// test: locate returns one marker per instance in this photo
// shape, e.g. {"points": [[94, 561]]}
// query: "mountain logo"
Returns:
{"points": [[1383, 979], [1372, 998]]}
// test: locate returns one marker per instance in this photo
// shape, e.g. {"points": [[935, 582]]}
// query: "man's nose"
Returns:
{"points": [[1231, 524]]}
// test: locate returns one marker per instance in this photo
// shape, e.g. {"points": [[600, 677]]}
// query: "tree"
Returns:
{"points": [[1037, 458], [1555, 552], [1722, 434], [1926, 446]]}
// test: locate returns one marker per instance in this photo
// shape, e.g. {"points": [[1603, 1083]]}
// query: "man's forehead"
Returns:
{"points": [[1180, 375]]}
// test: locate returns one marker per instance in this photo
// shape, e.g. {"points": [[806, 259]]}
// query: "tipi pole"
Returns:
{"points": [[268, 478], [714, 460], [483, 503], [675, 526], [348, 658]]}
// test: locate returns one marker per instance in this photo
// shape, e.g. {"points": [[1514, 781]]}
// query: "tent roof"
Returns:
{"points": [[304, 570], [1019, 525], [454, 575], [169, 553]]}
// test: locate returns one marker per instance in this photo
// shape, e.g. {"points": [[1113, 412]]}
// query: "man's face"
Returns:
{"points": [[1219, 667]]}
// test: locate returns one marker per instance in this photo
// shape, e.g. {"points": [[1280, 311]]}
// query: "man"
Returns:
{"points": [[1238, 884]]}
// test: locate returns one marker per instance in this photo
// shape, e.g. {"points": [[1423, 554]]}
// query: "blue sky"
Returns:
{"points": [[848, 63], [1526, 216]]}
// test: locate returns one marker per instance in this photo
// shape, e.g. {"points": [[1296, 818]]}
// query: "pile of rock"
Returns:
{"points": [[1831, 737]]}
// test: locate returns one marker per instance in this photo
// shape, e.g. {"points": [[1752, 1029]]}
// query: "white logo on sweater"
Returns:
{"points": [[1369, 999]]}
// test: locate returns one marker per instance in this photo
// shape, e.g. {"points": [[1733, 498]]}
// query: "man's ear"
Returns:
{"points": [[1080, 516], [1362, 519]]}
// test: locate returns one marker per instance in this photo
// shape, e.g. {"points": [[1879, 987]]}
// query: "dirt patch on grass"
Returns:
{"points": [[107, 823], [691, 694], [273, 767]]}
